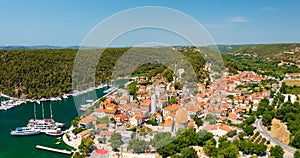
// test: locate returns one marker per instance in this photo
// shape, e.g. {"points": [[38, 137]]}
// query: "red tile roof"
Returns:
{"points": [[232, 116], [88, 119], [172, 107], [84, 133]]}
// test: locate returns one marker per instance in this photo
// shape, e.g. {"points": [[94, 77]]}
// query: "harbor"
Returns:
{"points": [[91, 102], [11, 102], [63, 111]]}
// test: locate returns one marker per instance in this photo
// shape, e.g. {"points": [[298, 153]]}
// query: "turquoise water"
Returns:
{"points": [[63, 111]]}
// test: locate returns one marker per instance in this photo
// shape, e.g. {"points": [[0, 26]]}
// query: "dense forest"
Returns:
{"points": [[258, 65], [262, 58], [48, 72], [268, 52]]}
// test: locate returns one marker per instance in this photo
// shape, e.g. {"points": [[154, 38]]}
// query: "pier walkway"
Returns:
{"points": [[54, 150]]}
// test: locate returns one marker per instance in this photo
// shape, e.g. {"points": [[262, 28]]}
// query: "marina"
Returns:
{"points": [[63, 111], [11, 102], [8, 104], [91, 102]]}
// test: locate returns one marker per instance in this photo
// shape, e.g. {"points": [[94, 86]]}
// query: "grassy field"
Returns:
{"points": [[291, 82], [279, 131]]}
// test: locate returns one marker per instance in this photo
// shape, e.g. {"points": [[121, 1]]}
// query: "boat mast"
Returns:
{"points": [[51, 111], [34, 112], [43, 110]]}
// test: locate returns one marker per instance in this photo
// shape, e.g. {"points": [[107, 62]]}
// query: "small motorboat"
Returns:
{"points": [[56, 132]]}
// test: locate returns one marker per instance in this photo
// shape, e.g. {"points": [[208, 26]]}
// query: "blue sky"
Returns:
{"points": [[67, 22]]}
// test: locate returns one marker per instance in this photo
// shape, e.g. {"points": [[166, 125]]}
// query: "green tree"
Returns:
{"points": [[172, 100], [138, 146], [132, 88], [161, 139], [277, 151], [211, 119], [250, 120], [267, 119], [297, 154], [230, 96], [152, 121], [230, 151], [115, 140], [103, 120], [188, 153], [210, 148], [102, 99], [179, 131], [249, 130], [223, 142], [85, 145], [168, 150], [77, 130], [241, 135], [231, 133], [168, 74], [203, 136], [260, 149], [78, 155], [177, 85], [296, 140], [197, 120], [75, 121]]}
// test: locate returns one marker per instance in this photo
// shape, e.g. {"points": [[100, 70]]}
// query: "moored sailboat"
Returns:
{"points": [[44, 124]]}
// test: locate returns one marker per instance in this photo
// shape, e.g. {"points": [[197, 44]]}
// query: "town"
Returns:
{"points": [[149, 115]]}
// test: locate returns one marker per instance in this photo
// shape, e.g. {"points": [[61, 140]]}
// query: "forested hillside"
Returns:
{"points": [[48, 72], [266, 59], [274, 53]]}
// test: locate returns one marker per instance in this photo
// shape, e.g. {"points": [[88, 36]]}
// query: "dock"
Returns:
{"points": [[53, 149]]}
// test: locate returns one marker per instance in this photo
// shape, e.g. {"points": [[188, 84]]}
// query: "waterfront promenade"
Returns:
{"points": [[74, 141]]}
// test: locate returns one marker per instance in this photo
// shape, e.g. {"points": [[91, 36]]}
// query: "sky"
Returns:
{"points": [[68, 22]]}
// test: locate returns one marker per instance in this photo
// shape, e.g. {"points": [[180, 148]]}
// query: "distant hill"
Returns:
{"points": [[229, 48], [269, 52], [29, 47], [17, 47]]}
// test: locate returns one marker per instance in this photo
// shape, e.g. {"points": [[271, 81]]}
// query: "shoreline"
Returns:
{"points": [[71, 127], [14, 102]]}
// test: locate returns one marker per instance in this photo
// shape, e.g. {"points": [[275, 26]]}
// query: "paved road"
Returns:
{"points": [[260, 128]]}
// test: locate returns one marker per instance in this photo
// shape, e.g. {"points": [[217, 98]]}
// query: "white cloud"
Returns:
{"points": [[268, 9], [238, 19], [229, 22], [217, 25]]}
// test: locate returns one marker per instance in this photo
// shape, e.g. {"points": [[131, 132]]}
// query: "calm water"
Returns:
{"points": [[63, 111]]}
